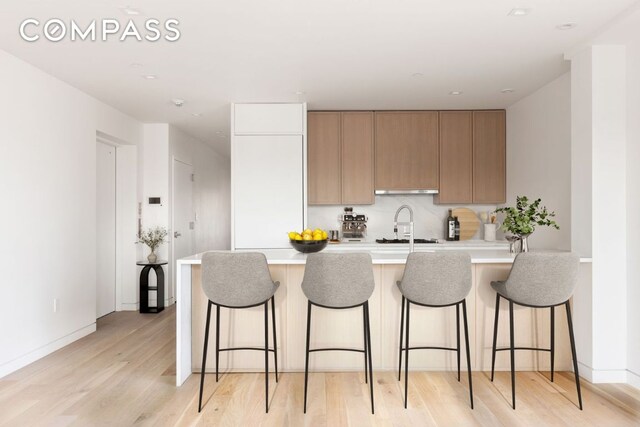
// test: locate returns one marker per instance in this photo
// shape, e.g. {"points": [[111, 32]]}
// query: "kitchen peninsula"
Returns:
{"points": [[344, 328]]}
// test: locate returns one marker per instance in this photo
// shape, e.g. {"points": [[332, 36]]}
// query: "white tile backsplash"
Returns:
{"points": [[429, 218]]}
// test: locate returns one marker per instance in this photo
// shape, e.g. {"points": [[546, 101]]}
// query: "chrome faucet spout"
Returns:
{"points": [[410, 223]]}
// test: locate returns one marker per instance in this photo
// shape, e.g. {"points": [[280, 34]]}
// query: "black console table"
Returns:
{"points": [[145, 288]]}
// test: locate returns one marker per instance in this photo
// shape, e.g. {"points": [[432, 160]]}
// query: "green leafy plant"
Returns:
{"points": [[153, 237], [524, 217]]}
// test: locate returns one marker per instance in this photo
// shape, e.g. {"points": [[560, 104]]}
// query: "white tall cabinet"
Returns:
{"points": [[268, 173]]}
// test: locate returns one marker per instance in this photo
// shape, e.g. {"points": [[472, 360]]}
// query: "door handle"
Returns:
{"points": [[176, 234]]}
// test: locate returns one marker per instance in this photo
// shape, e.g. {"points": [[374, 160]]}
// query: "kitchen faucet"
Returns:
{"points": [[410, 224]]}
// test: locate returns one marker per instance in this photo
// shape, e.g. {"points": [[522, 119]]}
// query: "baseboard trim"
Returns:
{"points": [[601, 376], [134, 306], [45, 350], [633, 379]]}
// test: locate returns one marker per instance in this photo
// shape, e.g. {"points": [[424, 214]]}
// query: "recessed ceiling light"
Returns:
{"points": [[417, 75], [150, 76], [177, 102], [566, 26], [300, 92], [508, 90], [455, 92], [129, 11], [196, 114], [135, 65], [519, 11]]}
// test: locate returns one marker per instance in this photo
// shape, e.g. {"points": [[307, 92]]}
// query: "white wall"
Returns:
{"points": [[599, 128], [211, 190], [633, 207], [47, 182], [539, 157]]}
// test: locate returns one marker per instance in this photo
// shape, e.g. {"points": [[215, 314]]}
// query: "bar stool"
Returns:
{"points": [[538, 280], [238, 280], [339, 281], [435, 279]]}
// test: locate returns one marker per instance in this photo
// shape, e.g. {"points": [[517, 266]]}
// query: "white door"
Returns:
{"points": [[267, 190], [183, 216], [106, 229]]}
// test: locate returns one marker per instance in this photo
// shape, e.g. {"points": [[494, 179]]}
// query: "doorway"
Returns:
{"points": [[182, 214], [106, 229]]}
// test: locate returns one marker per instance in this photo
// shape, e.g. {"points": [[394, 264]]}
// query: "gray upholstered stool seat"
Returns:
{"points": [[435, 279], [339, 281], [238, 280], [539, 280]]}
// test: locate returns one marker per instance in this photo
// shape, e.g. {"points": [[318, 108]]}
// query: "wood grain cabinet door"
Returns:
{"points": [[489, 157], [357, 158], [323, 158], [406, 150], [456, 158]]}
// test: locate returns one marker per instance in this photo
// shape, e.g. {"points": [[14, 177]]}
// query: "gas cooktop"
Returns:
{"points": [[406, 240]]}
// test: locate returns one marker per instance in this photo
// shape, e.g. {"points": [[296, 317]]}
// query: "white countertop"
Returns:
{"points": [[481, 252]]}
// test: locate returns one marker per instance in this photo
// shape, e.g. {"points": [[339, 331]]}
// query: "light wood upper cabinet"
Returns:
{"points": [[456, 157], [323, 158], [489, 157], [406, 150], [357, 158], [340, 158]]}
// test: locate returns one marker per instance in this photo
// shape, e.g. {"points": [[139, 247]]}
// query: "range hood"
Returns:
{"points": [[391, 192]]}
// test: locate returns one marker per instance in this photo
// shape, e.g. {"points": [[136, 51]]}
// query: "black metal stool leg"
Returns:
{"points": [[266, 356], [217, 339], [275, 340], [458, 337], [204, 355], [401, 331], [466, 343], [406, 359], [364, 328], [552, 339], [512, 351], [573, 353], [306, 362], [366, 311], [495, 336]]}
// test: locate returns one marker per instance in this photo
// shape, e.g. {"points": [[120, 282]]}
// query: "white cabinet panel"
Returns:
{"points": [[267, 190], [268, 119]]}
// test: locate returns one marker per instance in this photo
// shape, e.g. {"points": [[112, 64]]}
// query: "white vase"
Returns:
{"points": [[490, 232], [152, 257]]}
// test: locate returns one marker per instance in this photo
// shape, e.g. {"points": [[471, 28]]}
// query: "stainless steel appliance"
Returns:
{"points": [[353, 225]]}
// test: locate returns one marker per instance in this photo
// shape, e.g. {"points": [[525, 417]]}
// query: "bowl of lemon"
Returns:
{"points": [[309, 240]]}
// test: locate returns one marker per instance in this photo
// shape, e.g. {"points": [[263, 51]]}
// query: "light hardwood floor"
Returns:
{"points": [[124, 374]]}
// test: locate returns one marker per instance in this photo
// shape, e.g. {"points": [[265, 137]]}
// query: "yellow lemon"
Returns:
{"points": [[297, 237], [324, 235], [307, 231], [307, 237], [318, 236], [317, 230], [292, 235]]}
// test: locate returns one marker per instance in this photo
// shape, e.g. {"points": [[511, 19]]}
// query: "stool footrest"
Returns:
{"points": [[523, 348], [431, 348], [336, 349], [244, 348]]}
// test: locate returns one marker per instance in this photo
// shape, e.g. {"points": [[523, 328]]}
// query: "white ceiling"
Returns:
{"points": [[343, 54]]}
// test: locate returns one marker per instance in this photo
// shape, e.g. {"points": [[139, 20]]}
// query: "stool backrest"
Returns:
{"points": [[236, 279], [338, 280], [543, 278], [437, 278]]}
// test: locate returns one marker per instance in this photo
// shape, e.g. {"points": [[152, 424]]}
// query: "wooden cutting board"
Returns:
{"points": [[469, 222]]}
